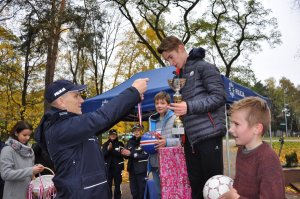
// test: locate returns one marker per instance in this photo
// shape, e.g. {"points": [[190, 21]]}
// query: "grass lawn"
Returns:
{"points": [[290, 145]]}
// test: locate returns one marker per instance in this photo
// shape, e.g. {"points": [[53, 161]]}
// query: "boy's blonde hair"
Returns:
{"points": [[258, 111], [168, 44], [162, 95]]}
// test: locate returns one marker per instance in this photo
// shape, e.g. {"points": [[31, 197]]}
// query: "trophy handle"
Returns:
{"points": [[176, 83]]}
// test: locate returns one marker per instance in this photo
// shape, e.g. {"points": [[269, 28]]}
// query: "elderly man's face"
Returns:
{"points": [[72, 102]]}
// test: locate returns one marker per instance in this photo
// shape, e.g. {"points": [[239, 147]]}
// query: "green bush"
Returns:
{"points": [[291, 159]]}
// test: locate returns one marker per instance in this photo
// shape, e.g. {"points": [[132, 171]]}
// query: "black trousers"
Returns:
{"points": [[137, 184], [203, 161], [115, 174]]}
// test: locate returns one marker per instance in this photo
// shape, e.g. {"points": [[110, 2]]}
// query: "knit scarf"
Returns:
{"points": [[22, 149]]}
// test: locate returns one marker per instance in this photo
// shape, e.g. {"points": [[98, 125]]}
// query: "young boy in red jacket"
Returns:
{"points": [[258, 169]]}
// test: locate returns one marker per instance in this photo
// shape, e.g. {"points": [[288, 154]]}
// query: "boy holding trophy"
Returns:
{"points": [[202, 109]]}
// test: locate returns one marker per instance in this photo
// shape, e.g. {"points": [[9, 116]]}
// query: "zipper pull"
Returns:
{"points": [[193, 151]]}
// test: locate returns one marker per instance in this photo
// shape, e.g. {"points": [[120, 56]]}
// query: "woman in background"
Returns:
{"points": [[17, 162]]}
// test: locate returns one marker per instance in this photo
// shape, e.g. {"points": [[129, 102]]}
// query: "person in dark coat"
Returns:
{"points": [[114, 161], [202, 109], [70, 137], [137, 164]]}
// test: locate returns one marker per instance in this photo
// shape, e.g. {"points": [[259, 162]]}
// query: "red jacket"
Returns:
{"points": [[259, 174]]}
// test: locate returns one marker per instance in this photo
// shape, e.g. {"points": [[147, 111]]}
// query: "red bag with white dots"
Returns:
{"points": [[174, 179]]}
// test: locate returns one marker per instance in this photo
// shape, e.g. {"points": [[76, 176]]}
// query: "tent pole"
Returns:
{"points": [[227, 143], [270, 136]]}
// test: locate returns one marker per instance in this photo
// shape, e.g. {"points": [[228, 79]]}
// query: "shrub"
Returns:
{"points": [[291, 159]]}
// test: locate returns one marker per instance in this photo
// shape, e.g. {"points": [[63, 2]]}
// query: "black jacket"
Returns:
{"points": [[205, 96], [138, 159], [73, 146], [42, 157], [113, 157]]}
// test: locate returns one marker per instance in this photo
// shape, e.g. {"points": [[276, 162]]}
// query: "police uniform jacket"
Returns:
{"points": [[73, 146], [113, 157], [138, 159]]}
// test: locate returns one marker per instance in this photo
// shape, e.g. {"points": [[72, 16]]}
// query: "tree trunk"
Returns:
{"points": [[26, 74], [53, 47]]}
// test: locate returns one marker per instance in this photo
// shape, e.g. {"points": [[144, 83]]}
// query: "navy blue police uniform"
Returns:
{"points": [[114, 161], [137, 168], [73, 146]]}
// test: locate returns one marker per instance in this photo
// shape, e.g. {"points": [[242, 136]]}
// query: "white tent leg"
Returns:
{"points": [[227, 143], [270, 136]]}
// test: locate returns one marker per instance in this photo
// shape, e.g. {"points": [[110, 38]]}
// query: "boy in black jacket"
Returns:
{"points": [[114, 161], [202, 109], [137, 164]]}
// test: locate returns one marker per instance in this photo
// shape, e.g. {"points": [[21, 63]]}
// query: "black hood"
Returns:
{"points": [[39, 134], [196, 53], [48, 119]]}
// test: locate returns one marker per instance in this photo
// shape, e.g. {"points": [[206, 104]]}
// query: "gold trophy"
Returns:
{"points": [[176, 84]]}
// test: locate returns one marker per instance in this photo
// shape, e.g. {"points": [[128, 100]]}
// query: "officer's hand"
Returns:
{"points": [[141, 85]]}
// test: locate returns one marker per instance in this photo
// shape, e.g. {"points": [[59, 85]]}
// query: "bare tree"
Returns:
{"points": [[56, 19], [153, 12], [230, 29], [9, 9], [110, 42], [234, 28], [49, 17]]}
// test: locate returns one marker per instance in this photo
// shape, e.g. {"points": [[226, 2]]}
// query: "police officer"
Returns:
{"points": [[114, 161], [137, 163], [70, 137]]}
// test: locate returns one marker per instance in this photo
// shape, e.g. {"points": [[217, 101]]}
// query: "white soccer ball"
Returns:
{"points": [[216, 186]]}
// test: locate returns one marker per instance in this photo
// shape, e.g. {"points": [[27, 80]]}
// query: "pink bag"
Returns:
{"points": [[173, 174]]}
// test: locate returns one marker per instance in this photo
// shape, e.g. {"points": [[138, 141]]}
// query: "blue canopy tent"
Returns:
{"points": [[158, 82], [235, 91]]}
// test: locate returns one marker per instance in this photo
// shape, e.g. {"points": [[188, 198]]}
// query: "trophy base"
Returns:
{"points": [[178, 130]]}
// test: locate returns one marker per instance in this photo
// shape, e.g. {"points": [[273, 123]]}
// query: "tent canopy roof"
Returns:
{"points": [[158, 82]]}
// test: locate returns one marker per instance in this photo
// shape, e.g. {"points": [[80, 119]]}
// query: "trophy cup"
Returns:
{"points": [[176, 84]]}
